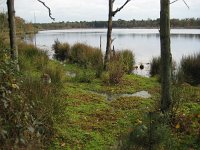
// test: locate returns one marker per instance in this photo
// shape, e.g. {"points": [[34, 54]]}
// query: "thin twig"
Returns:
{"points": [[50, 14], [183, 1], [186, 4], [174, 1]]}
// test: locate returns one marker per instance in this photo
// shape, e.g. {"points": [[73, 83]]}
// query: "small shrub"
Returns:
{"points": [[61, 50], [55, 72], [84, 77], [96, 60], [127, 58], [12, 109], [80, 53], [190, 69], [152, 132], [44, 109], [105, 77], [87, 56], [30, 57], [115, 69]]}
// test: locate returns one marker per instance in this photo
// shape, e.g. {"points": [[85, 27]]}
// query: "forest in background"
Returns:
{"points": [[175, 23], [23, 27]]}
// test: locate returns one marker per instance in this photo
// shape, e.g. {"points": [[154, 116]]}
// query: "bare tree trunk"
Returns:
{"points": [[109, 33], [111, 14], [166, 57], [12, 32]]}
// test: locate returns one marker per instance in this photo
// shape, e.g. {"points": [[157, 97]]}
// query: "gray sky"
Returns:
{"points": [[90, 10]]}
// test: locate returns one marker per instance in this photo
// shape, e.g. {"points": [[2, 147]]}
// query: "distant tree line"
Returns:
{"points": [[175, 23], [22, 27]]}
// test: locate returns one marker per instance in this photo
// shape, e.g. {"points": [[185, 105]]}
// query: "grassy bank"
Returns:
{"points": [[67, 107], [93, 122]]}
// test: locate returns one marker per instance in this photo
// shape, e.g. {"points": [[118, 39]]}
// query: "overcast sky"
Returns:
{"points": [[90, 10]]}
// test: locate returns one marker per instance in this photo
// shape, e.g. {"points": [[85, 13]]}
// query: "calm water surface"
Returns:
{"points": [[145, 43]]}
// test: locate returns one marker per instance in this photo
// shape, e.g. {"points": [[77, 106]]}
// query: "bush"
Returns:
{"points": [[61, 50], [31, 57], [152, 132], [96, 60], [115, 69], [190, 69], [44, 109], [12, 108], [87, 56], [80, 53], [127, 58], [84, 77], [28, 106], [55, 72]]}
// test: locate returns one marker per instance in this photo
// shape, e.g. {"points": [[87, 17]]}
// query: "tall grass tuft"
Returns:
{"points": [[88, 57], [190, 69], [120, 63], [31, 57], [80, 53], [155, 66], [55, 72], [127, 58], [115, 69], [61, 50]]}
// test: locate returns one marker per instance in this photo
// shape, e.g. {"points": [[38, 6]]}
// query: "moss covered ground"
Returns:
{"points": [[92, 122]]}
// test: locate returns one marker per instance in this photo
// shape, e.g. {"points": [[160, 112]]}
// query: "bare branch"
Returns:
{"points": [[50, 14], [174, 1], [120, 8], [186, 4], [183, 1]]}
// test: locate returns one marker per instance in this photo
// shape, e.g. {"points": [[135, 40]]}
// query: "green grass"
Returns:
{"points": [[95, 123], [88, 120]]}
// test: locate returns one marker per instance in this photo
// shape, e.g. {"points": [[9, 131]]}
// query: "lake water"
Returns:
{"points": [[145, 43]]}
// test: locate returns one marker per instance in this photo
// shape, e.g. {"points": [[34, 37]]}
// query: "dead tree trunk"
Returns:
{"points": [[111, 14], [12, 32], [166, 57], [109, 32]]}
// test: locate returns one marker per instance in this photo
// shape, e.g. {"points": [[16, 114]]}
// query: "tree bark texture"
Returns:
{"points": [[166, 57], [109, 33], [12, 32]]}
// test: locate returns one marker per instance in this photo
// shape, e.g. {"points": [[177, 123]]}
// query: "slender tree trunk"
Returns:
{"points": [[166, 57], [12, 32], [109, 33]]}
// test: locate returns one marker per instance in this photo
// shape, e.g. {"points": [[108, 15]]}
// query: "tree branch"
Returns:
{"points": [[183, 1], [173, 1], [50, 14], [120, 8], [186, 4]]}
